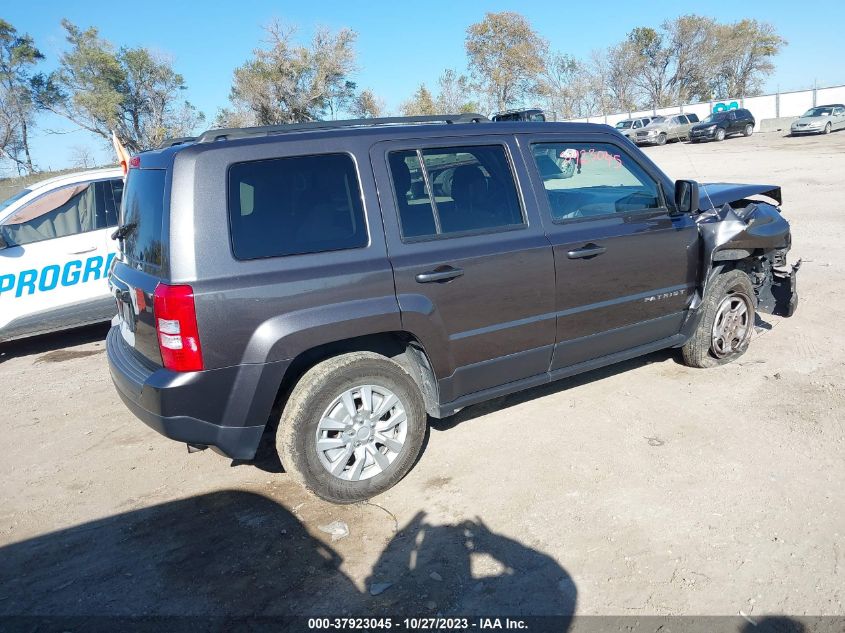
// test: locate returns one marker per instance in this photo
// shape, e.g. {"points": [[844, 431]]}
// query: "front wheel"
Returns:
{"points": [[720, 134], [661, 140], [352, 427], [827, 128], [727, 321]]}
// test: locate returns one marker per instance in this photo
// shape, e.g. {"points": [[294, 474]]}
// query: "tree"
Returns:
{"points": [[623, 94], [18, 55], [505, 58], [455, 94], [563, 86], [291, 83], [651, 70], [132, 91], [421, 104], [82, 157], [366, 105], [692, 43], [745, 52]]}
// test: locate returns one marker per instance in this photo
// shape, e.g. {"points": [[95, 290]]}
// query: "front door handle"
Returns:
{"points": [[444, 273], [590, 250], [90, 249]]}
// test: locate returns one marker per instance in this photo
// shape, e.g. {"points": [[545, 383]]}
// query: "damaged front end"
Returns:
{"points": [[752, 236]]}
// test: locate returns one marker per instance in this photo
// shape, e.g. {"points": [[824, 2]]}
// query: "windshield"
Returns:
{"points": [[658, 119], [818, 112], [622, 125], [716, 117], [17, 196]]}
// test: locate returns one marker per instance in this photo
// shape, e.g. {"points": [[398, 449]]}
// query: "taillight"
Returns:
{"points": [[176, 327]]}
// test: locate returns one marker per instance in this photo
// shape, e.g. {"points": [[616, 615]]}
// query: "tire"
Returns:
{"points": [[320, 392], [702, 349], [720, 135], [661, 139], [748, 131], [827, 128]]}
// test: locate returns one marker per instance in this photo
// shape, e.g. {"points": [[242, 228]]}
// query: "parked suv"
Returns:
{"points": [[629, 127], [665, 128], [721, 124], [361, 276]]}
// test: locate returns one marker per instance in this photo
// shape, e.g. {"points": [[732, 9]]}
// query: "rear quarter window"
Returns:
{"points": [[294, 206], [143, 207]]}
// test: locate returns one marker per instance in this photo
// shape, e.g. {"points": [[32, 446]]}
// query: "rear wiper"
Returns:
{"points": [[123, 230]]}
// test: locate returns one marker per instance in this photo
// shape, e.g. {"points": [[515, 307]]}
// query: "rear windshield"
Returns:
{"points": [[293, 206], [143, 207]]}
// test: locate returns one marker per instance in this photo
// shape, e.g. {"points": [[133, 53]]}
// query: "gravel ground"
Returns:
{"points": [[640, 489]]}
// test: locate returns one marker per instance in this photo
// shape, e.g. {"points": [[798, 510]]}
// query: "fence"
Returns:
{"points": [[775, 106]]}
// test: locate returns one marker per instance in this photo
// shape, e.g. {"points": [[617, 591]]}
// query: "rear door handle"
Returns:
{"points": [[444, 273], [83, 251], [590, 250]]}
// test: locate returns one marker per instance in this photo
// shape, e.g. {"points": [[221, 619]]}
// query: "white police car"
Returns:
{"points": [[55, 253]]}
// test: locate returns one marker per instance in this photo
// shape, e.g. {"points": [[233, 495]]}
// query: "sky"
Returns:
{"points": [[400, 44]]}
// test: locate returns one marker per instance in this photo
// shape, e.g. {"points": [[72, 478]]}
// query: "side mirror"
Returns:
{"points": [[2, 242], [686, 196]]}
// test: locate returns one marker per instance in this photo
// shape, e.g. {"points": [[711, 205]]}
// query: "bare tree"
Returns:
{"points": [[505, 58], [623, 93], [564, 86], [288, 83], [456, 93], [17, 56], [81, 156]]}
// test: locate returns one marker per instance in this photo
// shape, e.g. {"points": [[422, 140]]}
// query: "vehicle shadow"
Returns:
{"points": [[235, 554], [53, 342]]}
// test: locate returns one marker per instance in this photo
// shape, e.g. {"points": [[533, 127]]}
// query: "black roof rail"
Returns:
{"points": [[170, 142], [266, 130]]}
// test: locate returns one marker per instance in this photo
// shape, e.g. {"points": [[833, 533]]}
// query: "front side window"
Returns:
{"points": [[66, 211], [454, 190], [586, 180], [294, 206]]}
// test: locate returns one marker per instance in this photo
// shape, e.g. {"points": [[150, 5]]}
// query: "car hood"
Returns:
{"points": [[704, 126], [655, 126], [715, 194], [804, 120]]}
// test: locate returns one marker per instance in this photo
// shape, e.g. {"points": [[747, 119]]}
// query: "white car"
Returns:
{"points": [[55, 253]]}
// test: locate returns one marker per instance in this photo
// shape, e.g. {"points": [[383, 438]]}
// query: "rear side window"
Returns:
{"points": [[293, 206], [454, 190], [143, 208]]}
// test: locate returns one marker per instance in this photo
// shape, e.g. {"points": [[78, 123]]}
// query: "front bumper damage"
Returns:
{"points": [[754, 237]]}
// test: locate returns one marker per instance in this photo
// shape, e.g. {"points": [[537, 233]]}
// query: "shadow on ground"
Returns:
{"points": [[235, 553], [55, 344]]}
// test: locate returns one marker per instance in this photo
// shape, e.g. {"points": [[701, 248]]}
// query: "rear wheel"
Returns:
{"points": [[352, 427], [727, 322], [748, 131], [720, 134]]}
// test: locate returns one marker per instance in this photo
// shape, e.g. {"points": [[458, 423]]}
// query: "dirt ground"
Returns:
{"points": [[644, 488]]}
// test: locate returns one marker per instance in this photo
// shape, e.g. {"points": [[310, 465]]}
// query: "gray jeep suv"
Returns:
{"points": [[333, 284]]}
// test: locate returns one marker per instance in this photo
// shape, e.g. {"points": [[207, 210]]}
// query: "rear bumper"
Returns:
{"points": [[225, 408]]}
